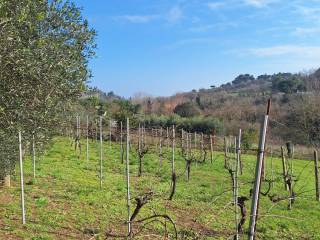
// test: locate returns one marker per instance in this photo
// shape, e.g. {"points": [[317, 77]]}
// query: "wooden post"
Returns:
{"points": [[173, 145], [195, 146], [190, 144], [139, 139], [110, 133], [316, 174], [225, 152], [87, 155], [257, 183], [34, 157], [271, 165], [128, 177], [156, 137], [121, 142], [160, 148], [211, 149], [238, 150], [237, 162], [182, 138], [187, 152], [21, 181], [202, 146], [284, 169], [167, 138], [101, 149]]}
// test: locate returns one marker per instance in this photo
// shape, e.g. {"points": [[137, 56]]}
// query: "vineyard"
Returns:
{"points": [[104, 181]]}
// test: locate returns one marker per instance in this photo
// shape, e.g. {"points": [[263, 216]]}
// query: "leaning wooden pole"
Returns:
{"points": [[21, 181], [128, 176], [257, 182], [316, 174]]}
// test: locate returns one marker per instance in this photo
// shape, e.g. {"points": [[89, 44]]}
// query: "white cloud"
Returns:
{"points": [[303, 32], [136, 18], [216, 5], [289, 50], [175, 14], [259, 3], [216, 26], [311, 13], [190, 41]]}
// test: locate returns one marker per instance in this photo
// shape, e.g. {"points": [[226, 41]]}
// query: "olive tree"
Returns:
{"points": [[45, 48]]}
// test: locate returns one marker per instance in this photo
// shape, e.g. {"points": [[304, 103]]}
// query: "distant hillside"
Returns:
{"points": [[241, 102], [295, 114]]}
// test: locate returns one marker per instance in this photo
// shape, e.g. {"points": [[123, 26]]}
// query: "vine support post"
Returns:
{"points": [[160, 148], [128, 176], [284, 169], [211, 149], [202, 146], [258, 173], [195, 146], [225, 151], [121, 142], [139, 139], [187, 145], [173, 146], [23, 211], [101, 149], [167, 138], [87, 155], [316, 173], [34, 156], [236, 185], [271, 164], [110, 133]]}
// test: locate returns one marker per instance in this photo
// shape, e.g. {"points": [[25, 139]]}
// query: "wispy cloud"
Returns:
{"points": [[306, 31], [136, 18], [259, 3], [215, 5], [190, 41], [312, 13], [289, 50], [217, 26], [175, 14]]}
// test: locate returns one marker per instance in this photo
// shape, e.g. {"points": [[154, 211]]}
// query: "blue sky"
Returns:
{"points": [[160, 47]]}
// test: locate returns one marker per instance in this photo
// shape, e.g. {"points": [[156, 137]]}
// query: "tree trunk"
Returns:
{"points": [[7, 181]]}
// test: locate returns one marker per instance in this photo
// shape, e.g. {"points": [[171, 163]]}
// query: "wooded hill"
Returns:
{"points": [[239, 103]]}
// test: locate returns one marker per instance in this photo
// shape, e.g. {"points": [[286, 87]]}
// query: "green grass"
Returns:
{"points": [[66, 202]]}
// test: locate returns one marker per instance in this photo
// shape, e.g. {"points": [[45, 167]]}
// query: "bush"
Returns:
{"points": [[195, 124], [187, 109], [249, 137]]}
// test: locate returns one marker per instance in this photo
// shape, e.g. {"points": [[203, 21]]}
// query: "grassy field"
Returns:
{"points": [[66, 202]]}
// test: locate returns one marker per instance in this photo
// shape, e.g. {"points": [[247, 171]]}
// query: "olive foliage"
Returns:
{"points": [[44, 52]]}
